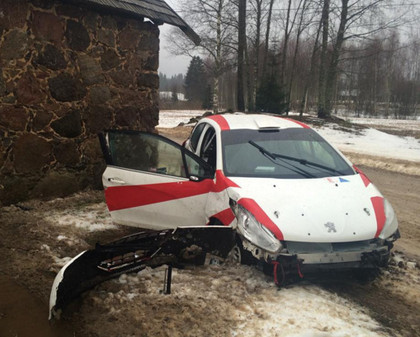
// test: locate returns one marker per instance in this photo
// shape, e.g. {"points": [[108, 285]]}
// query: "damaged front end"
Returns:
{"points": [[296, 260], [134, 253], [260, 237]]}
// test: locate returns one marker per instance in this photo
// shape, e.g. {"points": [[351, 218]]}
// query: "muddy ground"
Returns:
{"points": [[34, 244]]}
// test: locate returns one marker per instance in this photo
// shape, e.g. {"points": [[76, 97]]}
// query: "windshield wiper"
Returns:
{"points": [[299, 160], [272, 157]]}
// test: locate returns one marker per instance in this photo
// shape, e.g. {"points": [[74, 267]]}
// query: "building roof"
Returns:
{"points": [[155, 10]]}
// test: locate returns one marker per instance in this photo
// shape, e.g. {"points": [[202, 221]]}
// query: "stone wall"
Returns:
{"points": [[67, 73]]}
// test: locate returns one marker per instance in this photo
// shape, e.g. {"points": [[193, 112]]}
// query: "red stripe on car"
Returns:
{"points": [[261, 216], [362, 175], [378, 206], [225, 217], [222, 182], [303, 125], [122, 197], [221, 121]]}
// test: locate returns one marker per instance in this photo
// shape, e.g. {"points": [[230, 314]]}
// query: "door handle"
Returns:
{"points": [[116, 181]]}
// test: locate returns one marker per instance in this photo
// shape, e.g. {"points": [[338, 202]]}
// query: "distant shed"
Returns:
{"points": [[70, 69]]}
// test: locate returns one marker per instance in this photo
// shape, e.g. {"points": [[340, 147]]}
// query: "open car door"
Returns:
{"points": [[152, 182]]}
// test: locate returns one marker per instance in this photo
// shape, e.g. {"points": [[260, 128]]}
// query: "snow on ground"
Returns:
{"points": [[373, 142], [172, 118], [89, 218], [232, 300], [401, 124]]}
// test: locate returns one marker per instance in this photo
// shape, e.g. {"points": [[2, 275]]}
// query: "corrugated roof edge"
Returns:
{"points": [[139, 11]]}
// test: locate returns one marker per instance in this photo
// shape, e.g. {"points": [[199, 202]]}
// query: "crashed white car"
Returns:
{"points": [[260, 188], [293, 199]]}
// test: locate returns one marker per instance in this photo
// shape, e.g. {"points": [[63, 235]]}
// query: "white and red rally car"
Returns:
{"points": [[289, 194], [269, 187]]}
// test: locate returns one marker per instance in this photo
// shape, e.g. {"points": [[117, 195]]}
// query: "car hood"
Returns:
{"points": [[333, 209]]}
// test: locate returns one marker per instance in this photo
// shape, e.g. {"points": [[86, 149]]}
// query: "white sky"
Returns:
{"points": [[170, 64]]}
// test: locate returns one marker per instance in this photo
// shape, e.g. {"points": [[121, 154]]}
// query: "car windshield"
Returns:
{"points": [[294, 153]]}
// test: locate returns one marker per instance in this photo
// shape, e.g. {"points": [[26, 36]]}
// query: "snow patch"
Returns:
{"points": [[247, 301], [90, 218], [172, 118], [60, 262], [373, 142]]}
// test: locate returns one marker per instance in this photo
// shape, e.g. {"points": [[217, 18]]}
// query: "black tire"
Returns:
{"points": [[240, 255]]}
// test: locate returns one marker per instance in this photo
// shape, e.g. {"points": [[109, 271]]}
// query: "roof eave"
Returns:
{"points": [[157, 18]]}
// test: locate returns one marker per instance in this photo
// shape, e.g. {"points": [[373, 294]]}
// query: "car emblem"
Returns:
{"points": [[331, 227]]}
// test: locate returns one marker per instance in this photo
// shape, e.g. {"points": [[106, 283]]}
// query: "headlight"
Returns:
{"points": [[255, 232], [391, 222]]}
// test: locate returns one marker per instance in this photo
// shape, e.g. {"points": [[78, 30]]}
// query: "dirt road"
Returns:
{"points": [[394, 298]]}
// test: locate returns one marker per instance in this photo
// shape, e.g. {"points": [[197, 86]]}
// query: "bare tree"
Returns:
{"points": [[310, 74], [241, 51], [267, 37], [211, 19], [325, 21], [305, 20], [350, 19]]}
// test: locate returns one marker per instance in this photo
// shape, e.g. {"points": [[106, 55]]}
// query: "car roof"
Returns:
{"points": [[254, 121]]}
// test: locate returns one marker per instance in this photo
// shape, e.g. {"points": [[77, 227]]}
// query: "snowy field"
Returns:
{"points": [[373, 142]]}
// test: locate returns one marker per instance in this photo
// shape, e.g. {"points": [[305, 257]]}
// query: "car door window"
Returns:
{"points": [[208, 147], [153, 153], [195, 136]]}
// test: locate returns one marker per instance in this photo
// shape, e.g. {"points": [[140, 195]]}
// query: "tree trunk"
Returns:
{"points": [[267, 39], [284, 55], [218, 58], [322, 108], [311, 71], [241, 50], [333, 66], [250, 104], [257, 52], [295, 53]]}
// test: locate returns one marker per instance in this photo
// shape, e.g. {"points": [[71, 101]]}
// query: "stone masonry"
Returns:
{"points": [[67, 73]]}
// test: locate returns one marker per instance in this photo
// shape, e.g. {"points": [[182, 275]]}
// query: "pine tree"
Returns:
{"points": [[196, 80], [208, 98], [270, 97]]}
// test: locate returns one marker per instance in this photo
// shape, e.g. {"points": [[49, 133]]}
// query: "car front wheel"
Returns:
{"points": [[239, 255]]}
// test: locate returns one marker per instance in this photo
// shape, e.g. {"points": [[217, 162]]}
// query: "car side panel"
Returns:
{"points": [[154, 201]]}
